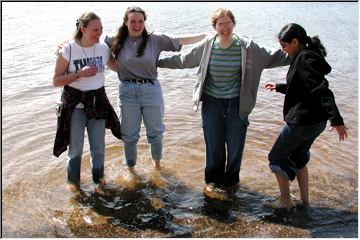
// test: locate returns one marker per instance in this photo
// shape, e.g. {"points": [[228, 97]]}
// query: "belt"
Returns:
{"points": [[140, 81]]}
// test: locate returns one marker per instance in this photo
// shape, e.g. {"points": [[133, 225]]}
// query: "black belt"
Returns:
{"points": [[140, 81]]}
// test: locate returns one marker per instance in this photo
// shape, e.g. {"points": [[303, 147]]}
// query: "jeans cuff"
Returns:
{"points": [[289, 175]]}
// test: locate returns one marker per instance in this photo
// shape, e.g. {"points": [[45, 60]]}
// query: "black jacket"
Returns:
{"points": [[308, 99]]}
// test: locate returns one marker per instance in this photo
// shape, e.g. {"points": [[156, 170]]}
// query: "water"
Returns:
{"points": [[35, 202]]}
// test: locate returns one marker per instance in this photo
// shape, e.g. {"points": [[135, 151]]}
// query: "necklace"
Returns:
{"points": [[91, 61]]}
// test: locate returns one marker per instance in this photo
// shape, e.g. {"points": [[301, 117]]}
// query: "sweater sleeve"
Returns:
{"points": [[191, 59], [328, 102], [269, 58]]}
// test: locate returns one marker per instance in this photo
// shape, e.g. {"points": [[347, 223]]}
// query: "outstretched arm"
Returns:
{"points": [[278, 87], [266, 58], [190, 39], [191, 59]]}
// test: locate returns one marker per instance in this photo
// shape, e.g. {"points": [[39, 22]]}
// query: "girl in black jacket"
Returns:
{"points": [[308, 104]]}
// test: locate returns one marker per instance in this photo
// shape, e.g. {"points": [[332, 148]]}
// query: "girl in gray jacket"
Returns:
{"points": [[228, 78]]}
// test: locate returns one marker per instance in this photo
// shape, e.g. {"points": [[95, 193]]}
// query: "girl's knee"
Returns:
{"points": [[155, 138], [272, 157], [130, 139]]}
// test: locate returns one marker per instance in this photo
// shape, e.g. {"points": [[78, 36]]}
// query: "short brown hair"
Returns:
{"points": [[221, 12]]}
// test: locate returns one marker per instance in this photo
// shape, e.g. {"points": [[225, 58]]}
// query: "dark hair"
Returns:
{"points": [[293, 30], [83, 21], [221, 12], [123, 32]]}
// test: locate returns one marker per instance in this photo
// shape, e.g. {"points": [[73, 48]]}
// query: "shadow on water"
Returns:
{"points": [[320, 221], [144, 211], [248, 209], [178, 211]]}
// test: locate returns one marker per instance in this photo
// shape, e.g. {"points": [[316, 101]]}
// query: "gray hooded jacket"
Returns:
{"points": [[254, 60]]}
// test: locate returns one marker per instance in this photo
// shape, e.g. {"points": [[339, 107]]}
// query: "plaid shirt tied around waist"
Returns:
{"points": [[96, 105]]}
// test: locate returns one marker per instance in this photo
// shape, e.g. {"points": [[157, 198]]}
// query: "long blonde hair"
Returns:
{"points": [[83, 21]]}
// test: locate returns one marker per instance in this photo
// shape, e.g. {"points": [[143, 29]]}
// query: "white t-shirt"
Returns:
{"points": [[98, 54]]}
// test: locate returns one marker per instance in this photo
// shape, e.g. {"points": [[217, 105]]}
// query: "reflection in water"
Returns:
{"points": [[160, 204], [176, 210], [151, 212], [136, 209], [317, 219]]}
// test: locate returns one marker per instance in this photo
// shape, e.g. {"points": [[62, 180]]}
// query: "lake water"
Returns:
{"points": [[35, 202]]}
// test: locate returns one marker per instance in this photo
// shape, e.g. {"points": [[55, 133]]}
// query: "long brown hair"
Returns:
{"points": [[123, 32]]}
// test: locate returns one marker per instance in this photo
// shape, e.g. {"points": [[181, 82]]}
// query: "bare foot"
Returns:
{"points": [[306, 204], [132, 178], [157, 164], [157, 180], [102, 183], [303, 205], [280, 203], [131, 170], [74, 188]]}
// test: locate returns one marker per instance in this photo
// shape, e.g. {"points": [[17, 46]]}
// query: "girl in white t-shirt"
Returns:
{"points": [[80, 69]]}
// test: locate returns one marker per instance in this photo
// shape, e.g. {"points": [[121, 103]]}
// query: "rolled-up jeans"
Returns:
{"points": [[96, 134], [224, 130], [291, 150], [137, 102]]}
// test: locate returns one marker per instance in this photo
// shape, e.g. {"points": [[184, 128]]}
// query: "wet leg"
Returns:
{"points": [[303, 181]]}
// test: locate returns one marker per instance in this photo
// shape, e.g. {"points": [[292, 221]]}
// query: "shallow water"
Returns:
{"points": [[35, 202]]}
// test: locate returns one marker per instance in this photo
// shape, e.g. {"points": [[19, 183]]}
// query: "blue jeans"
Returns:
{"points": [[137, 102], [222, 126], [291, 150], [96, 135]]}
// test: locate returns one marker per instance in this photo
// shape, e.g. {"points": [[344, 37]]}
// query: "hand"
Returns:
{"points": [[204, 35], [59, 47], [270, 86], [341, 130], [88, 71]]}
